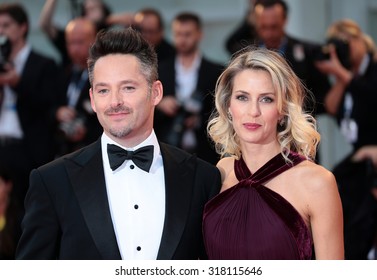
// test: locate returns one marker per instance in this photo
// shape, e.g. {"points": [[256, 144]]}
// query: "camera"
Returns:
{"points": [[342, 51], [5, 49], [189, 107], [70, 128]]}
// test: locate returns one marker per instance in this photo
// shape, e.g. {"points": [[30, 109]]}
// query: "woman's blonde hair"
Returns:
{"points": [[345, 28], [298, 133]]}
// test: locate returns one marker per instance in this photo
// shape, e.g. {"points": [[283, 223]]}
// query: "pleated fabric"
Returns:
{"points": [[251, 222]]}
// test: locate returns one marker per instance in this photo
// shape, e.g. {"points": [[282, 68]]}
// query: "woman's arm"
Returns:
{"points": [[326, 216]]}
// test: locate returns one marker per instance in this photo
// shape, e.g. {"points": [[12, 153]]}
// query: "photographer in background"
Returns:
{"points": [[94, 10], [27, 89], [77, 122], [352, 99], [5, 49]]}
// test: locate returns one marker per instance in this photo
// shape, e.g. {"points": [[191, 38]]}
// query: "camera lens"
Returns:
{"points": [[5, 49]]}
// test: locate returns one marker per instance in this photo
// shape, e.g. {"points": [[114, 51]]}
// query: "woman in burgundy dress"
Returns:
{"points": [[275, 202]]}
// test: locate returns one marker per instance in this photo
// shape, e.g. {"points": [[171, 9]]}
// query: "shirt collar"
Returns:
{"points": [[21, 57], [194, 67], [151, 140], [282, 48], [364, 65]]}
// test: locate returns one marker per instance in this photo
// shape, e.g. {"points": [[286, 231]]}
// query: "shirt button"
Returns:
{"points": [[132, 166], [136, 206], [138, 248]]}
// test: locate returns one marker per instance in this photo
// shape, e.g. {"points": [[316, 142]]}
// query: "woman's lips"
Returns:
{"points": [[251, 126]]}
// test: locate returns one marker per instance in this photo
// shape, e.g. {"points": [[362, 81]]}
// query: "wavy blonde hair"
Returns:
{"points": [[298, 134]]}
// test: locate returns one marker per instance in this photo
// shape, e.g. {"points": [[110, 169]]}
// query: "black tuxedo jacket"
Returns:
{"points": [[68, 217]]}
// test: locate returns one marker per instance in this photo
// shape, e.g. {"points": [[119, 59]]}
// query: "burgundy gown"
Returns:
{"points": [[250, 221]]}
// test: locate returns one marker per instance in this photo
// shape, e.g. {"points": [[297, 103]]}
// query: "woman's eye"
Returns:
{"points": [[267, 99], [241, 97]]}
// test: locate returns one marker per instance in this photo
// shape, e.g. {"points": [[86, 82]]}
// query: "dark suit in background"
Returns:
{"points": [[189, 80], [36, 92], [85, 115], [27, 94], [301, 56], [77, 124], [207, 77], [35, 97]]}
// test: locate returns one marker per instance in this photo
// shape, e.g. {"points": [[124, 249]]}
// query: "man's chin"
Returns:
{"points": [[120, 133]]}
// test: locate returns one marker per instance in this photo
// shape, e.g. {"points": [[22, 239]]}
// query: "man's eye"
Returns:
{"points": [[128, 89], [102, 91]]}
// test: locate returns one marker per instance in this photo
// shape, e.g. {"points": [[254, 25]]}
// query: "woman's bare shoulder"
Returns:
{"points": [[315, 176], [226, 167], [316, 183], [226, 164]]}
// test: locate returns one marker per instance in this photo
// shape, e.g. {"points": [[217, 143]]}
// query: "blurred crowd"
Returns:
{"points": [[46, 112]]}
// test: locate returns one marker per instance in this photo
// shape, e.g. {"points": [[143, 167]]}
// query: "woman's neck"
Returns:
{"points": [[255, 156]]}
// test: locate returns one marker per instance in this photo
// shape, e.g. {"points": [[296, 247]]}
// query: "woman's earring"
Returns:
{"points": [[229, 116], [282, 122]]}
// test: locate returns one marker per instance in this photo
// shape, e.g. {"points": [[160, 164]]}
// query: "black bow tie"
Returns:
{"points": [[142, 157]]}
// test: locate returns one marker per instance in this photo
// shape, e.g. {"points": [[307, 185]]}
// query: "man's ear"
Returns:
{"points": [[157, 92], [92, 100]]}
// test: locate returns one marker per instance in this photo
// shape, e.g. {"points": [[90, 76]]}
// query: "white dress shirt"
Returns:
{"points": [[137, 202], [348, 126], [187, 78], [10, 125], [186, 82]]}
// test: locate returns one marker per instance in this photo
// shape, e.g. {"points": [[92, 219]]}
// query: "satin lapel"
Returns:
{"points": [[88, 181], [179, 178]]}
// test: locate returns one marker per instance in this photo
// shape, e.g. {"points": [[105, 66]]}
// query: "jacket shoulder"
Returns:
{"points": [[81, 157], [180, 155]]}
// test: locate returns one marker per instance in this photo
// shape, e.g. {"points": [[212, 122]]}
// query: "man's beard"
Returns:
{"points": [[120, 133], [189, 51], [124, 131]]}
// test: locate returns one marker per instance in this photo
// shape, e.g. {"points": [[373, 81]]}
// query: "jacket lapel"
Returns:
{"points": [[88, 181], [179, 177]]}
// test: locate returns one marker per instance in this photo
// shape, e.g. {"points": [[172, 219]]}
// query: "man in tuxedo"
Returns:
{"points": [[126, 196], [189, 81], [27, 92]]}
